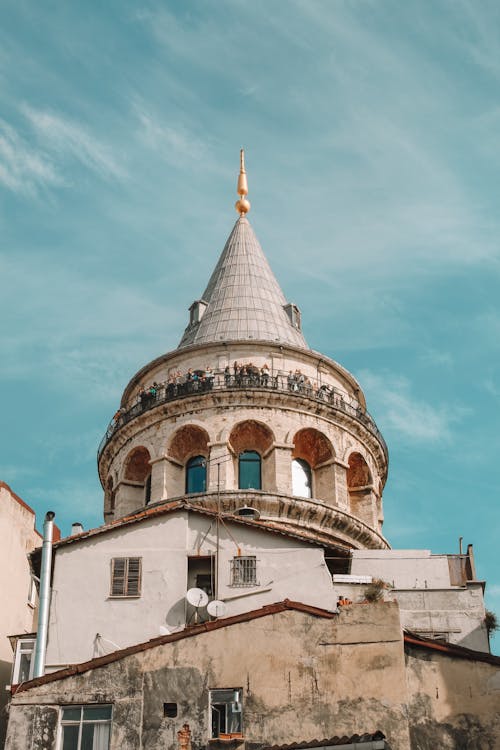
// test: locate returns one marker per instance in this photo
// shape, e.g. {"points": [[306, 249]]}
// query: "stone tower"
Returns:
{"points": [[245, 418]]}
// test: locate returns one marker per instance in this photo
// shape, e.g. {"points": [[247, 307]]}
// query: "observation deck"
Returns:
{"points": [[338, 401]]}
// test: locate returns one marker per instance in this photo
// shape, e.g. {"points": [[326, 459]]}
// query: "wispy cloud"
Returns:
{"points": [[67, 139], [173, 142], [24, 169], [406, 416]]}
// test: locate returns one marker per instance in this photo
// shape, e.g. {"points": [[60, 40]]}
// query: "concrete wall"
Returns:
{"points": [[429, 604], [452, 703], [303, 677], [18, 535], [81, 606], [403, 568]]}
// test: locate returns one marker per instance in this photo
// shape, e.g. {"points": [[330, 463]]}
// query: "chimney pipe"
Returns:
{"points": [[76, 528], [44, 603]]}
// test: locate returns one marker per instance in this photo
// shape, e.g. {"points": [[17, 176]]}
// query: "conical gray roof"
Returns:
{"points": [[243, 300]]}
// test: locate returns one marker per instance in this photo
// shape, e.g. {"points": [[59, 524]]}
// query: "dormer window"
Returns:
{"points": [[294, 315], [196, 311]]}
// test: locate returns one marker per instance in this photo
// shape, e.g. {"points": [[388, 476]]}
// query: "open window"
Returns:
{"points": [[301, 478], [85, 727], [226, 713], [24, 660]]}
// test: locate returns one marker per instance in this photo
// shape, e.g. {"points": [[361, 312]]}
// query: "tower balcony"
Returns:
{"points": [[317, 393]]}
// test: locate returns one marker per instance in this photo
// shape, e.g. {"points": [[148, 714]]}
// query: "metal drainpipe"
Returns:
{"points": [[44, 599]]}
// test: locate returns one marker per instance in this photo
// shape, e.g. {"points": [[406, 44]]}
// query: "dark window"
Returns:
{"points": [[126, 576], [225, 707], [196, 475], [147, 491], [249, 471], [170, 710]]}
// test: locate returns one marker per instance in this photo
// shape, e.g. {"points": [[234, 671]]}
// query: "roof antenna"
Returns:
{"points": [[242, 205]]}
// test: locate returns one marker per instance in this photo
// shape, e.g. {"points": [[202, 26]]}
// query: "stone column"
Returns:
{"points": [[341, 493], [280, 468], [159, 468], [220, 455]]}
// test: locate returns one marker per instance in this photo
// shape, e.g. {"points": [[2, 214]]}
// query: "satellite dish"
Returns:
{"points": [[163, 630], [197, 598], [216, 608]]}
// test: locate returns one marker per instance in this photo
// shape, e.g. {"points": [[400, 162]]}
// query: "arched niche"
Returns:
{"points": [[187, 449], [362, 498], [109, 497], [313, 448], [135, 486], [251, 442]]}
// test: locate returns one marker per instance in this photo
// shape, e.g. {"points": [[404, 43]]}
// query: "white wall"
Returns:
{"points": [[403, 568], [81, 607]]}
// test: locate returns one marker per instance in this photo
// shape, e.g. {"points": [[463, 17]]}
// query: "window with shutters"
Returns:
{"points": [[126, 576]]}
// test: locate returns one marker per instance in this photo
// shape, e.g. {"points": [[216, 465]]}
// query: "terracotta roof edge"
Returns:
{"points": [[450, 649], [188, 632]]}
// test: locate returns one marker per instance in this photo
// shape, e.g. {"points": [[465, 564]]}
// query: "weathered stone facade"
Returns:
{"points": [[347, 455], [304, 674]]}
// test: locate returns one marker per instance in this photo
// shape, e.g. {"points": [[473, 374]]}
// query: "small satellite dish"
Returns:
{"points": [[216, 608], [197, 598], [163, 630]]}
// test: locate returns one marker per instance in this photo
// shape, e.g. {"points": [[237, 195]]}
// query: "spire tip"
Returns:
{"points": [[242, 205]]}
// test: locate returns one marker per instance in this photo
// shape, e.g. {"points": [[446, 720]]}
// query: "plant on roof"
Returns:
{"points": [[491, 621], [374, 592]]}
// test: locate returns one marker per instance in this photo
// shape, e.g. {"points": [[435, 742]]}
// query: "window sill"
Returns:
{"points": [[124, 596], [227, 739]]}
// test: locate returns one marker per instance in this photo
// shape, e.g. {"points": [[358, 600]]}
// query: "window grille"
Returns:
{"points": [[244, 571], [85, 727], [126, 576]]}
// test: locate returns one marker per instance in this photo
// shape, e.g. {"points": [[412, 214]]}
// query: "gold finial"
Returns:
{"points": [[242, 205]]}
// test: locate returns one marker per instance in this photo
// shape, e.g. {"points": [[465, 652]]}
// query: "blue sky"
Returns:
{"points": [[372, 133]]}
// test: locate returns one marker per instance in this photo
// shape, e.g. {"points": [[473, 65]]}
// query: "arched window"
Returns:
{"points": [[301, 478], [249, 471], [196, 475]]}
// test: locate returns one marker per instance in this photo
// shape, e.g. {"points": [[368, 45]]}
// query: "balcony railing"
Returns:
{"points": [[339, 401]]}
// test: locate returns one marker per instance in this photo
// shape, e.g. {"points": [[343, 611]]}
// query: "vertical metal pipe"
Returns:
{"points": [[44, 598]]}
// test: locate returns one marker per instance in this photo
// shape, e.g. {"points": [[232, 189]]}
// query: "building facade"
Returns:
{"points": [[18, 591], [232, 595]]}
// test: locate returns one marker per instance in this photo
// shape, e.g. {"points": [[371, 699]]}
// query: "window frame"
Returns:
{"points": [[309, 471], [249, 461], [81, 722], [202, 464], [243, 571], [29, 648], [212, 702], [128, 581]]}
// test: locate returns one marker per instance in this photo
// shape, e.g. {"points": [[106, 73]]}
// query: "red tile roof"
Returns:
{"points": [[332, 741], [188, 632], [450, 649], [183, 504]]}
